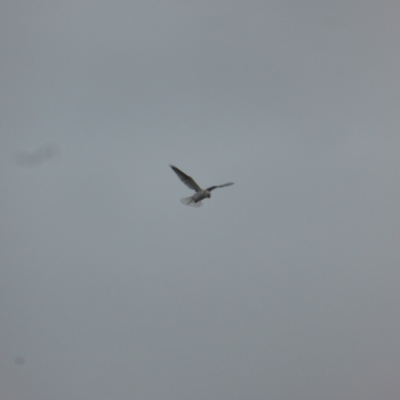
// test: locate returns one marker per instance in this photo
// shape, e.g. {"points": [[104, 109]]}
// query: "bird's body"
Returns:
{"points": [[200, 194], [196, 199]]}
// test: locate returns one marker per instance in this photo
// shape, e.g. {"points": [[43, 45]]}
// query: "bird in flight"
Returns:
{"points": [[200, 194]]}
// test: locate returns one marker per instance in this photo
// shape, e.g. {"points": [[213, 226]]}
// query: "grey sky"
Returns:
{"points": [[283, 286]]}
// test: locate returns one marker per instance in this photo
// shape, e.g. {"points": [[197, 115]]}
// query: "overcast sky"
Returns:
{"points": [[283, 286]]}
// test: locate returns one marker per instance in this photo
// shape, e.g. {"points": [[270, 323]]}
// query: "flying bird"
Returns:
{"points": [[200, 194]]}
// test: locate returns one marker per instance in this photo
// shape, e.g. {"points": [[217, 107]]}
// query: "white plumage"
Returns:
{"points": [[195, 200]]}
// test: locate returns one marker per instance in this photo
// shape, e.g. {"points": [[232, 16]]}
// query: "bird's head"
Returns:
{"points": [[208, 194]]}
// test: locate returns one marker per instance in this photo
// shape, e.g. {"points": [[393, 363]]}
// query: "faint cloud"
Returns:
{"points": [[35, 158], [19, 360]]}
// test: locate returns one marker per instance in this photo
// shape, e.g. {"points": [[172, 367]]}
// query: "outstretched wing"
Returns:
{"points": [[186, 179], [219, 186]]}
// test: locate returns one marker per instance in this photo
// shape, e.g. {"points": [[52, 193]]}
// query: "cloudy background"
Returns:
{"points": [[283, 286]]}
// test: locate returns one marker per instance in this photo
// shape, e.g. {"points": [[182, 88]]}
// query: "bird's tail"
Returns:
{"points": [[189, 201]]}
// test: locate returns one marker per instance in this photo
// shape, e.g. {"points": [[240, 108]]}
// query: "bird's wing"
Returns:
{"points": [[186, 179], [219, 186]]}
